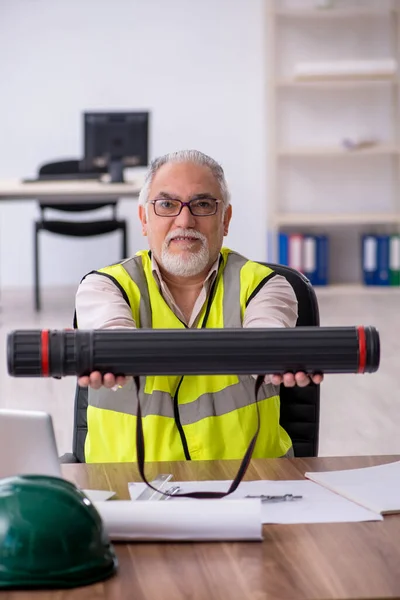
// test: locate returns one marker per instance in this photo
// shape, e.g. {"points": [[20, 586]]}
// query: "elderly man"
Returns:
{"points": [[187, 279]]}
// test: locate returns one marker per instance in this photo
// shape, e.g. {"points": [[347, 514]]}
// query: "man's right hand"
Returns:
{"points": [[96, 380]]}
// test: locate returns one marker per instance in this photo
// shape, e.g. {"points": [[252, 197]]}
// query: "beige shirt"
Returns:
{"points": [[100, 304]]}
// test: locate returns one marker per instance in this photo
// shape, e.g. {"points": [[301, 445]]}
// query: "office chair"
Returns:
{"points": [[299, 406], [73, 228]]}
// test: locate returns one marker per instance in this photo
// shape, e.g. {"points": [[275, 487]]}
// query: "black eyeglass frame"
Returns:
{"points": [[183, 204]]}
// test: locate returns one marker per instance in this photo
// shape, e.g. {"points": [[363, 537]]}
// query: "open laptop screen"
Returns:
{"points": [[27, 444]]}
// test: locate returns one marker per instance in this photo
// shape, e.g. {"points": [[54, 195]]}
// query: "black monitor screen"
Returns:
{"points": [[116, 140]]}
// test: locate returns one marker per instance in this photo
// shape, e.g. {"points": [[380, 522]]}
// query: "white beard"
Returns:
{"points": [[192, 263]]}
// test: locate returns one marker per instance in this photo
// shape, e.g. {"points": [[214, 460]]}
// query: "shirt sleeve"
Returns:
{"points": [[275, 305], [101, 305]]}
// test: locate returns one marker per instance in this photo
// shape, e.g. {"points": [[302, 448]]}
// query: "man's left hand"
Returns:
{"points": [[301, 379]]}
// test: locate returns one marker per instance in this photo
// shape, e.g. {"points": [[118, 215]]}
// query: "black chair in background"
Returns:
{"points": [[299, 406], [88, 228]]}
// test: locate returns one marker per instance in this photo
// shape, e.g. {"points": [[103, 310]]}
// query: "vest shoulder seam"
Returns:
{"points": [[259, 287]]}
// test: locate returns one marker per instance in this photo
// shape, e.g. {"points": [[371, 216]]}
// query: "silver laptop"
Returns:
{"points": [[27, 444]]}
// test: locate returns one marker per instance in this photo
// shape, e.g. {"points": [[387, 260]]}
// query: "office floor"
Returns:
{"points": [[360, 414]]}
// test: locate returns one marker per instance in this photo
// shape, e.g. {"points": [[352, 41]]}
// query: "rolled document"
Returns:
{"points": [[190, 520]]}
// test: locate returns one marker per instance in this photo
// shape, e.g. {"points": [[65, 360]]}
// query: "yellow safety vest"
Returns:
{"points": [[194, 417]]}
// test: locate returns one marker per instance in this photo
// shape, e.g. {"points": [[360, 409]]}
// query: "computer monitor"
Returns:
{"points": [[116, 140]]}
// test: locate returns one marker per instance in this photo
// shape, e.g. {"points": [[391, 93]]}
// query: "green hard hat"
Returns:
{"points": [[51, 535]]}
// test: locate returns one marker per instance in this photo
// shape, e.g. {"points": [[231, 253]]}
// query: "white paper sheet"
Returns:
{"points": [[376, 488], [197, 520], [318, 504], [96, 495]]}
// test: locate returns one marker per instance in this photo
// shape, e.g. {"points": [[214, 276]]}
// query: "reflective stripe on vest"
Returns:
{"points": [[216, 413], [161, 404]]}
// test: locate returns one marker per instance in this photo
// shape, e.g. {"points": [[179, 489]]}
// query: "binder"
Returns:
{"points": [[322, 260], [382, 277], [283, 252], [394, 260], [296, 251], [369, 258], [316, 258], [310, 258]]}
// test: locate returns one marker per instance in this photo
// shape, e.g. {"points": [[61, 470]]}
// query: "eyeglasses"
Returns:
{"points": [[199, 207]]}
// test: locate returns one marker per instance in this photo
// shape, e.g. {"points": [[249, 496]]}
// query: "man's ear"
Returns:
{"points": [[227, 219], [143, 218]]}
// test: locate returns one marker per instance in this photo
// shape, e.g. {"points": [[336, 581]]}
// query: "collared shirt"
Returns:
{"points": [[100, 304]]}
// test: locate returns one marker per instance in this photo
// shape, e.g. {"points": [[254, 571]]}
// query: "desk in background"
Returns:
{"points": [[68, 191], [64, 192], [294, 562]]}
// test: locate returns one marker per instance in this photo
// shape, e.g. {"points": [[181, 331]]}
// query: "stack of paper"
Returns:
{"points": [[375, 488], [317, 505], [326, 497]]}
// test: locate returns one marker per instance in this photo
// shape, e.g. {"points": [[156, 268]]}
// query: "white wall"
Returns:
{"points": [[197, 65]]}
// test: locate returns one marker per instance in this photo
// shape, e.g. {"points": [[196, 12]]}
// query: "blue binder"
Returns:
{"points": [[383, 273], [322, 275], [283, 249], [316, 259], [369, 259]]}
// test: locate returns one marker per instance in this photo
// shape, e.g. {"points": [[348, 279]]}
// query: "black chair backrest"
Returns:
{"points": [[300, 406], [71, 167], [62, 167]]}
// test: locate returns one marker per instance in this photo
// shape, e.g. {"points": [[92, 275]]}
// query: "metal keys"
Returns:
{"points": [[171, 491], [159, 482]]}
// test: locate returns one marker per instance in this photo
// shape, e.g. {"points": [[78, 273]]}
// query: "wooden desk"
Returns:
{"points": [[68, 191], [320, 561]]}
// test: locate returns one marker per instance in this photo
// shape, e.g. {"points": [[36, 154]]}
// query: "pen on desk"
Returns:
{"points": [[283, 498]]}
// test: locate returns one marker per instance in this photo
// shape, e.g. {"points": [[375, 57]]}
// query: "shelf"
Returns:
{"points": [[312, 139], [326, 151], [332, 13], [344, 289], [302, 219], [337, 83]]}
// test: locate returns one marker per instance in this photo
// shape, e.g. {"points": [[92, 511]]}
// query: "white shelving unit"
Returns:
{"points": [[312, 10], [301, 220], [326, 152], [316, 185], [355, 290], [337, 84]]}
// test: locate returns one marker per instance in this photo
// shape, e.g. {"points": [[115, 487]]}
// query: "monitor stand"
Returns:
{"points": [[116, 170]]}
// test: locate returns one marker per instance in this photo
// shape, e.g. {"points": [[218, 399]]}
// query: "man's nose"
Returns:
{"points": [[185, 218]]}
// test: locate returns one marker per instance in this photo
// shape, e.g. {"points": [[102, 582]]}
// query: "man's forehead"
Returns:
{"points": [[183, 174]]}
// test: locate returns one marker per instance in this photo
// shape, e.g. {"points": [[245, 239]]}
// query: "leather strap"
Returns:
{"points": [[140, 450]]}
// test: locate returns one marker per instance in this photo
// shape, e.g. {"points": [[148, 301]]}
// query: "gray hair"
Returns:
{"points": [[192, 156]]}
